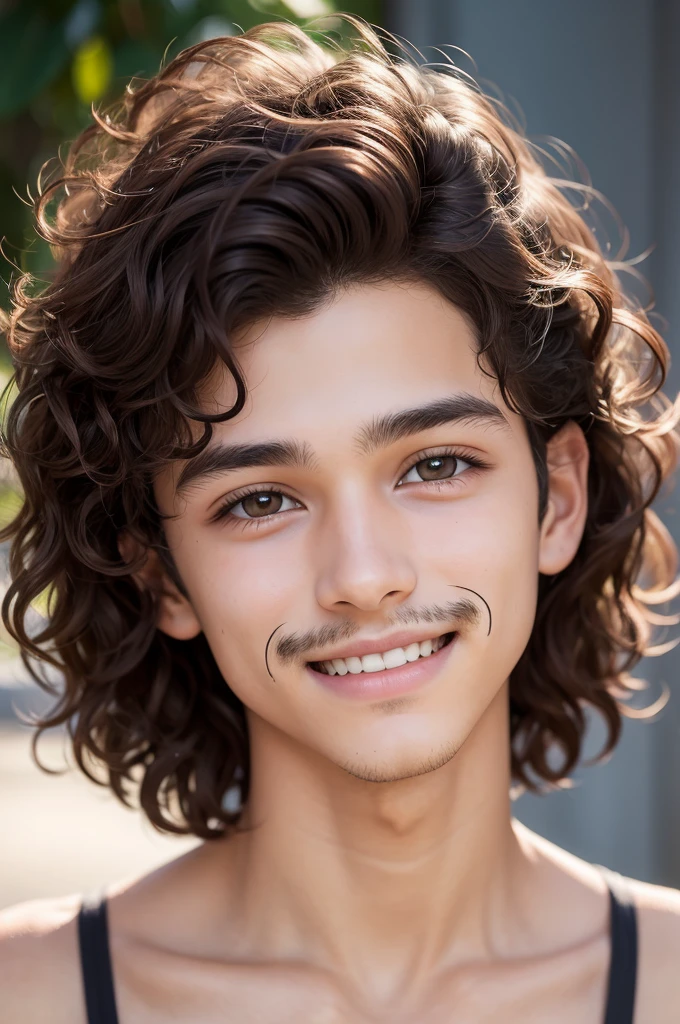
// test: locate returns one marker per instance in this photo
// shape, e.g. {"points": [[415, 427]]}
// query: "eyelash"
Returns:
{"points": [[223, 511]]}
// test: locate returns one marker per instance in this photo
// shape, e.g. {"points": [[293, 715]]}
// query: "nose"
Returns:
{"points": [[363, 557]]}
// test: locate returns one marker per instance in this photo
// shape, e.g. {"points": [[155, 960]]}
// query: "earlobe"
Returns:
{"points": [[176, 615], [565, 518]]}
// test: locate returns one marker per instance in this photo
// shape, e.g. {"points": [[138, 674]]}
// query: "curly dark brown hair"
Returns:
{"points": [[253, 176]]}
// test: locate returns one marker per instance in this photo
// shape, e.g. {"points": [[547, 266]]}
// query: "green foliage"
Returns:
{"points": [[29, 38], [92, 69], [57, 57]]}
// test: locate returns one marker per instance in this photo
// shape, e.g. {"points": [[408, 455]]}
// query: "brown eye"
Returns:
{"points": [[437, 467], [261, 504], [256, 505]]}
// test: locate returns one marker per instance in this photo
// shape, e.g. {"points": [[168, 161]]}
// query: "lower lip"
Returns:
{"points": [[388, 683]]}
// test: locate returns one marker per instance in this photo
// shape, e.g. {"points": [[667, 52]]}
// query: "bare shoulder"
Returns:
{"points": [[658, 988], [39, 963], [578, 887]]}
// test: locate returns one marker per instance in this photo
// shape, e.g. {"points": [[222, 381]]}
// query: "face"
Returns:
{"points": [[391, 499]]}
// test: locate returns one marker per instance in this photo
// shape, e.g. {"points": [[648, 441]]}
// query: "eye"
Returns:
{"points": [[259, 504], [441, 467]]}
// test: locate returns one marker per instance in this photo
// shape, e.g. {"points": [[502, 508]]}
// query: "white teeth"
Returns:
{"points": [[372, 663], [395, 657], [390, 659]]}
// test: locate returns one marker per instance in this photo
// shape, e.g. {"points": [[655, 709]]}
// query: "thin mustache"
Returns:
{"points": [[462, 612], [480, 598]]}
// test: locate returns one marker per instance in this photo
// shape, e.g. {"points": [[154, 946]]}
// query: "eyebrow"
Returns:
{"points": [[380, 432]]}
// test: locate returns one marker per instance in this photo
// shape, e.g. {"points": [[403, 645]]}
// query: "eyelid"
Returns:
{"points": [[434, 452]]}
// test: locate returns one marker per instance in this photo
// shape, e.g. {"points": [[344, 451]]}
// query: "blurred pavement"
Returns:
{"points": [[62, 833]]}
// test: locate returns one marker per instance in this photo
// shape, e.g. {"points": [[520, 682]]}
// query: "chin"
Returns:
{"points": [[398, 768]]}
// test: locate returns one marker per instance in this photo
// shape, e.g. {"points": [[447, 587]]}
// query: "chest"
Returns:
{"points": [[563, 989]]}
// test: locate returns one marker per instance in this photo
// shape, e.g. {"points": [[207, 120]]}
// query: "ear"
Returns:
{"points": [[176, 615], [565, 517]]}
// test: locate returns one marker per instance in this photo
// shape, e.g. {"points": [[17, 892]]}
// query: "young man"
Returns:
{"points": [[330, 429]]}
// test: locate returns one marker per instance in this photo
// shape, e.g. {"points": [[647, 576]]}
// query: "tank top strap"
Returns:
{"points": [[95, 961], [624, 949]]}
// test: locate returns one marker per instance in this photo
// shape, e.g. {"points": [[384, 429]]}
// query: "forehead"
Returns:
{"points": [[369, 350]]}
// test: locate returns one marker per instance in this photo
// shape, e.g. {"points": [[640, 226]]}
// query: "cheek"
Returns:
{"points": [[492, 547], [513, 552], [240, 597]]}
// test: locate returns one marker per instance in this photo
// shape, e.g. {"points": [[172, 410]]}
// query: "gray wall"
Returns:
{"points": [[604, 77]]}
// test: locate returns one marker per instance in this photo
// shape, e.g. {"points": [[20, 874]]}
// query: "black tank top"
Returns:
{"points": [[100, 998]]}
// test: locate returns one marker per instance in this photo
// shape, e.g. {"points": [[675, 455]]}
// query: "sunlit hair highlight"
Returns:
{"points": [[256, 176]]}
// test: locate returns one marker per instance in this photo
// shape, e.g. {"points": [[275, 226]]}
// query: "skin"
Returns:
{"points": [[381, 876]]}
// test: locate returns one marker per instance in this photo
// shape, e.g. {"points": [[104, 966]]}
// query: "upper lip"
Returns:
{"points": [[380, 644]]}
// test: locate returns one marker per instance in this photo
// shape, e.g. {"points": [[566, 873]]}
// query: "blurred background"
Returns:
{"points": [[597, 87]]}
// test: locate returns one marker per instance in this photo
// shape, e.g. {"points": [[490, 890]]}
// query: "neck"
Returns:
{"points": [[383, 881]]}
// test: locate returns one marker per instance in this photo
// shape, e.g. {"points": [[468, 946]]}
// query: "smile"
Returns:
{"points": [[371, 681], [392, 659]]}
